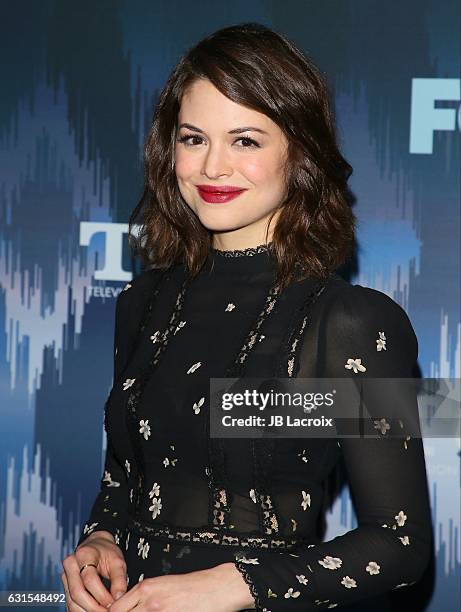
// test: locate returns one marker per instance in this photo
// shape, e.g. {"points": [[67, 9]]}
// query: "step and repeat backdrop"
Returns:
{"points": [[79, 82]]}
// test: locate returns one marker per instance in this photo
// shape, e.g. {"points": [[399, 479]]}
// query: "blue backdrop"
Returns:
{"points": [[79, 83]]}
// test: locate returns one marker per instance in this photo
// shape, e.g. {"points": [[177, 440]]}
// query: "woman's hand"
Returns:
{"points": [[219, 589], [86, 591]]}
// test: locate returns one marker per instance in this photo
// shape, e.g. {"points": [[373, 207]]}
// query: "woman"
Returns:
{"points": [[244, 218]]}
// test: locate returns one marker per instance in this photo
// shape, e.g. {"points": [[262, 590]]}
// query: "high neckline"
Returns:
{"points": [[247, 252], [245, 263]]}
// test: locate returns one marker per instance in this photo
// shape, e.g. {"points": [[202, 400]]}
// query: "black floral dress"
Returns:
{"points": [[177, 500]]}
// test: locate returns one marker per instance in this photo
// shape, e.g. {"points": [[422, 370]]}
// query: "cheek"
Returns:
{"points": [[185, 165], [263, 170]]}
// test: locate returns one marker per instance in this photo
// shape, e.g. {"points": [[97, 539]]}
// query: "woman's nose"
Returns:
{"points": [[216, 163]]}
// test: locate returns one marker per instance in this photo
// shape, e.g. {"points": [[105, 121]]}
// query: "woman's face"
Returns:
{"points": [[251, 158]]}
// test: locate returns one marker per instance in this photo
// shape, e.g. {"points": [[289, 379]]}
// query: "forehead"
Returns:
{"points": [[203, 104]]}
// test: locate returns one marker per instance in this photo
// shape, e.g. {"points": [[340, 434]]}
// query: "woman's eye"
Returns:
{"points": [[186, 139], [252, 142]]}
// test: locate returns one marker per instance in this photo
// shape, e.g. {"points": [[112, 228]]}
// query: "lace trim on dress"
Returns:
{"points": [[264, 448], [249, 251], [288, 365], [205, 535], [240, 565], [235, 370]]}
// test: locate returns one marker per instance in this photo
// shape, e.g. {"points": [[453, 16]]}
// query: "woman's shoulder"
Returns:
{"points": [[134, 298], [354, 308], [352, 300], [140, 288]]}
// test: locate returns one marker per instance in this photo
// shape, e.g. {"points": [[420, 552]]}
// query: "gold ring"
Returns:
{"points": [[86, 565]]}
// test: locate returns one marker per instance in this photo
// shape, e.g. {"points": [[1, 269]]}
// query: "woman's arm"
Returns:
{"points": [[110, 508], [391, 546]]}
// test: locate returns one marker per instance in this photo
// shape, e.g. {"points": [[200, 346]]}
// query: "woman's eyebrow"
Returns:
{"points": [[234, 131]]}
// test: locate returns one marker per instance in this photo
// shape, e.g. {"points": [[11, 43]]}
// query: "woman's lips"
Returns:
{"points": [[217, 197]]}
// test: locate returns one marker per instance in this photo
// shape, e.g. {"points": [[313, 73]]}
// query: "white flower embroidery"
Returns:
{"points": [[141, 577], [303, 455], [373, 568], [401, 517], [144, 428], [402, 584], [128, 382], [405, 540], [89, 528], [253, 561], [117, 538], [178, 327], [108, 478], [261, 337], [127, 466], [126, 287], [306, 500], [382, 425], [253, 495], [356, 365], [230, 307], [155, 490], [302, 579], [348, 582], [156, 507], [381, 342], [197, 405], [131, 495], [127, 540], [154, 338], [143, 548], [294, 524], [333, 605], [194, 367], [331, 563], [292, 593]]}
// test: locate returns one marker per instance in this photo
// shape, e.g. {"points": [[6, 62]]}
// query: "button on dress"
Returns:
{"points": [[178, 500]]}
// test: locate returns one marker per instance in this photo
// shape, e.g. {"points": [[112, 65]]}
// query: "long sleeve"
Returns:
{"points": [[109, 510], [363, 333]]}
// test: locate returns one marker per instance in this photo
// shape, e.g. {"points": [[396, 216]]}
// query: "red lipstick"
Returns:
{"points": [[217, 194]]}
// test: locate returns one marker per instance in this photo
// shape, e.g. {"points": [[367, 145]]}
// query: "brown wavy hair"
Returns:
{"points": [[256, 67]]}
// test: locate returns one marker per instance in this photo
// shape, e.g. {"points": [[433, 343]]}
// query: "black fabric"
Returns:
{"points": [[176, 500]]}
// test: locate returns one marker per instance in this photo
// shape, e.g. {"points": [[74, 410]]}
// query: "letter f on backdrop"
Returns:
{"points": [[425, 118]]}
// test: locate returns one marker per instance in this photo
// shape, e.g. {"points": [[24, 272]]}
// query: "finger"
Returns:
{"points": [[117, 575], [91, 576], [129, 600], [93, 585], [78, 585], [70, 604]]}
